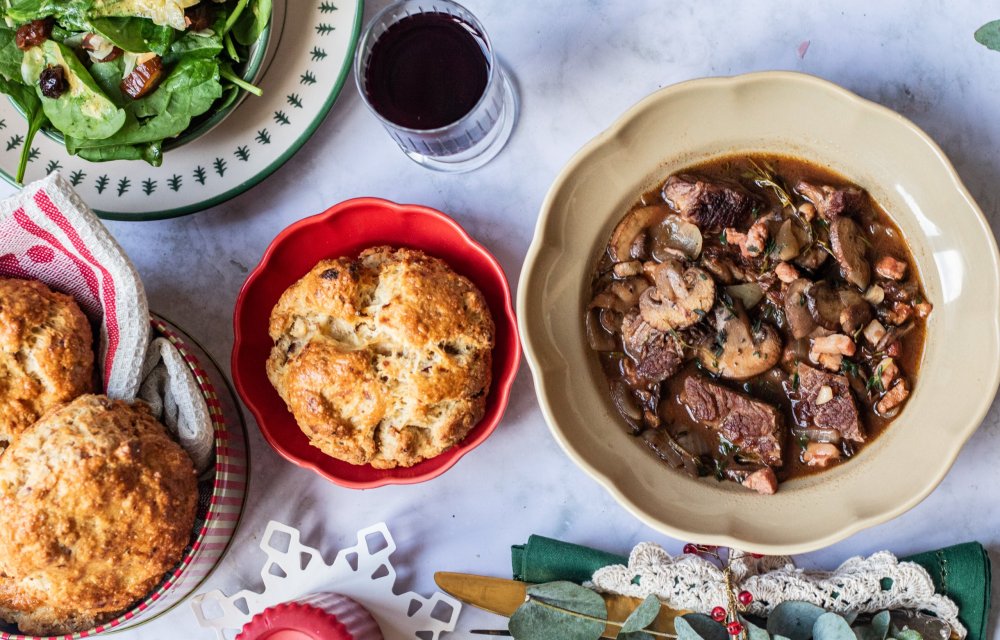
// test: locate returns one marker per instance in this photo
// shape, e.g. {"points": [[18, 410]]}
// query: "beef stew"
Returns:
{"points": [[758, 318]]}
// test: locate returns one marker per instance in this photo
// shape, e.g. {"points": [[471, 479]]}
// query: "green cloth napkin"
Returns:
{"points": [[961, 572]]}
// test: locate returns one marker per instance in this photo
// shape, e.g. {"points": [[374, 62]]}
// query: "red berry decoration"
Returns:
{"points": [[690, 548], [734, 628], [745, 598], [718, 614]]}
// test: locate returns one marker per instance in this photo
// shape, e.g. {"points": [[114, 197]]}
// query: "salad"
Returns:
{"points": [[119, 78]]}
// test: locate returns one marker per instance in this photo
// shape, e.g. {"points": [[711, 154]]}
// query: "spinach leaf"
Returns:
{"points": [[25, 99], [108, 76], [189, 91], [198, 46], [151, 153], [71, 14], [10, 55], [168, 13], [136, 35], [252, 22], [83, 110]]}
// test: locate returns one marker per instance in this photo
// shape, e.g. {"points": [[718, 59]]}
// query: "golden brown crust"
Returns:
{"points": [[99, 503], [384, 360], [46, 353]]}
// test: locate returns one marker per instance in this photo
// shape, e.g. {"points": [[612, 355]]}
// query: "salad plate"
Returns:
{"points": [[310, 50]]}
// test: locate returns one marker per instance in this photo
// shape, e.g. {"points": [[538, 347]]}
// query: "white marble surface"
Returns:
{"points": [[578, 65]]}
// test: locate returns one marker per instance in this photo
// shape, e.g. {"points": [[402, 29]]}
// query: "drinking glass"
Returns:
{"points": [[475, 138]]}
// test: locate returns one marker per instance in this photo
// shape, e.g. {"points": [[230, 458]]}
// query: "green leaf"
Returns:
{"points": [[908, 634], [536, 621], [559, 610], [685, 631], [136, 35], [832, 626], [880, 625], [639, 619], [83, 110], [988, 35], [189, 91], [570, 595], [794, 619], [704, 626], [252, 22], [754, 632]]}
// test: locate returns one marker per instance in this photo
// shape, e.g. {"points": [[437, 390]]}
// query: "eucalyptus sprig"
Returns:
{"points": [[988, 35], [568, 611]]}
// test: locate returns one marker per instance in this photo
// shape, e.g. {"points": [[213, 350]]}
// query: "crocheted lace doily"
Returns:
{"points": [[693, 583]]}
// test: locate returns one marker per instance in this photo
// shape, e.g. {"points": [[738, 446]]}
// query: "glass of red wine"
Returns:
{"points": [[427, 70]]}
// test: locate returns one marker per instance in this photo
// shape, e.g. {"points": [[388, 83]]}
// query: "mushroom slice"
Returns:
{"points": [[620, 295], [738, 352], [824, 304], [679, 298], [849, 248], [624, 237], [800, 320], [675, 236], [856, 313]]}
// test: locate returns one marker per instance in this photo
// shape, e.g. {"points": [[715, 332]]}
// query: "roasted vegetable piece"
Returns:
{"points": [[739, 350], [629, 238], [34, 33], [849, 249], [144, 78], [680, 297]]}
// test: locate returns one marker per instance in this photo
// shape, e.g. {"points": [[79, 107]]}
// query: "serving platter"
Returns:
{"points": [[310, 54]]}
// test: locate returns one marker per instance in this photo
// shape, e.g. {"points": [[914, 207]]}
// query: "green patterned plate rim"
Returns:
{"points": [[312, 48]]}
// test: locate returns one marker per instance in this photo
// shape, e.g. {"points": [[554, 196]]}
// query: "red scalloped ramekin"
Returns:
{"points": [[347, 229], [321, 616]]}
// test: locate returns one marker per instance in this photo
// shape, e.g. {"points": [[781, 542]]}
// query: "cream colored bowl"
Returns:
{"points": [[873, 146]]}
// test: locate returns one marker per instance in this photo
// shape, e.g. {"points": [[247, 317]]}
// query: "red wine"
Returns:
{"points": [[427, 71]]}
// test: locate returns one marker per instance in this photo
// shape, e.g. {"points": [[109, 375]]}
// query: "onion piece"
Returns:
{"points": [[875, 295], [749, 293], [674, 236], [597, 337], [815, 434], [874, 332], [625, 403], [787, 245]]}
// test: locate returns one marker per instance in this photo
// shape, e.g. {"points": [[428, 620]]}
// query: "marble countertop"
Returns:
{"points": [[578, 65]]}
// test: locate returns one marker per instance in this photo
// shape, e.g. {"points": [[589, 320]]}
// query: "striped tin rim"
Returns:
{"points": [[232, 468]]}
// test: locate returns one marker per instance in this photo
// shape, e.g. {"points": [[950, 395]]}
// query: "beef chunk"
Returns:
{"points": [[833, 202], [840, 413], [754, 426], [712, 205], [657, 354]]}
